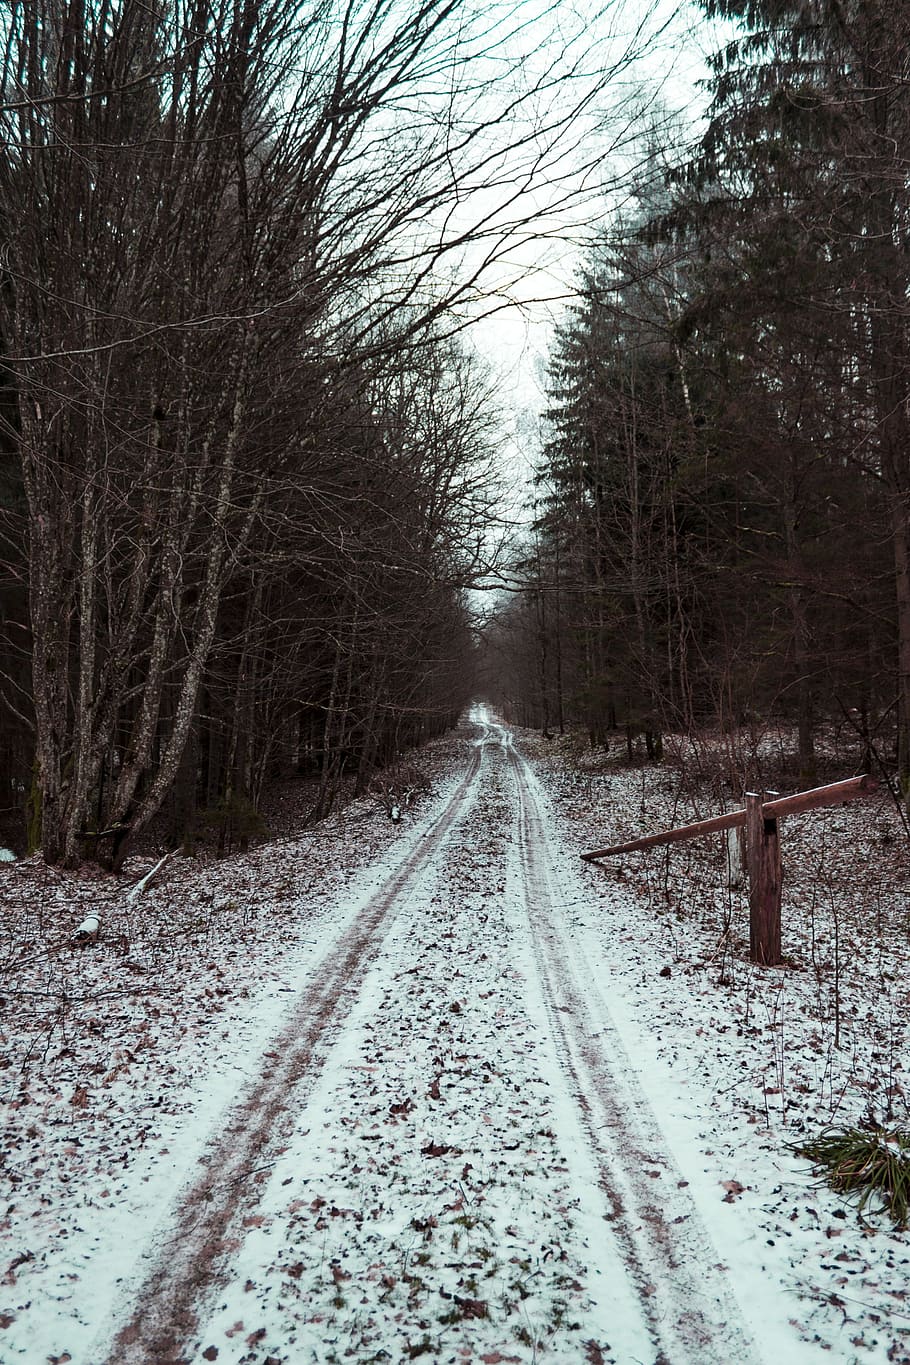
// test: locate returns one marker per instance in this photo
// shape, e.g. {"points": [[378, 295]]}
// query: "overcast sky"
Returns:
{"points": [[536, 281]]}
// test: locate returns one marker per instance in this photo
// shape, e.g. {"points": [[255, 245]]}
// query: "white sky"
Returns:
{"points": [[515, 340]]}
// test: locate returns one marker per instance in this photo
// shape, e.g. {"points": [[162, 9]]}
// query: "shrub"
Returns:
{"points": [[865, 1164]]}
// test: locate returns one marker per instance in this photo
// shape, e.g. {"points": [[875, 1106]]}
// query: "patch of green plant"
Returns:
{"points": [[865, 1164]]}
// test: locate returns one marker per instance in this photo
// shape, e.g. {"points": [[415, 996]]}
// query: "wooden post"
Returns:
{"points": [[763, 853], [760, 821], [735, 844]]}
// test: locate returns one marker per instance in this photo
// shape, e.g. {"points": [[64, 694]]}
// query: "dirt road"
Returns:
{"points": [[448, 1153]]}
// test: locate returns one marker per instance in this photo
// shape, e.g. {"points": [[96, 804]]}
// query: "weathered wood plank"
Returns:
{"points": [[673, 836], [835, 794]]}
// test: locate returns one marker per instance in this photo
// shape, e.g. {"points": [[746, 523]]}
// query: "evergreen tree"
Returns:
{"points": [[795, 207]]}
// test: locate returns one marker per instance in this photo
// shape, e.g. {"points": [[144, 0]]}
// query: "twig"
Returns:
{"points": [[825, 1296], [149, 877]]}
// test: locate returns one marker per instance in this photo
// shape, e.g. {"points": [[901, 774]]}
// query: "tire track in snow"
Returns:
{"points": [[689, 1309], [204, 1226], [439, 1167]]}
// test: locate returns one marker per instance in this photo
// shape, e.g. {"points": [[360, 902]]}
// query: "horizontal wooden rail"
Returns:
{"points": [[832, 795], [835, 794]]}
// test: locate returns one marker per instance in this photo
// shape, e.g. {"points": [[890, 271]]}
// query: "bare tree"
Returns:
{"points": [[194, 200]]}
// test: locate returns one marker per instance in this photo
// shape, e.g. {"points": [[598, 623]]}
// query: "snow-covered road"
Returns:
{"points": [[444, 1134], [447, 1152], [675, 1269]]}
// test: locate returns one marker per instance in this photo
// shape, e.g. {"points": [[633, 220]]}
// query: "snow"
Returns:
{"points": [[526, 1044], [742, 1062]]}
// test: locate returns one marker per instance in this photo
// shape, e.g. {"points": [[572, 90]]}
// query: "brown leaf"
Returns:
{"points": [[210, 1353], [10, 1276], [472, 1308], [435, 1149]]}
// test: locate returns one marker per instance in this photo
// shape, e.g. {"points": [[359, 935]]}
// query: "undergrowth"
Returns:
{"points": [[865, 1165]]}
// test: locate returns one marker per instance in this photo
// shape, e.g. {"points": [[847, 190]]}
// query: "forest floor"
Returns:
{"points": [[440, 1090]]}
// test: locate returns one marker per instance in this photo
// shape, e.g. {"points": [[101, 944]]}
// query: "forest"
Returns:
{"points": [[248, 461], [245, 459], [721, 532]]}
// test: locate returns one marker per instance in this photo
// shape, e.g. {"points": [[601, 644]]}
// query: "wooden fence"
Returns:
{"points": [[761, 820]]}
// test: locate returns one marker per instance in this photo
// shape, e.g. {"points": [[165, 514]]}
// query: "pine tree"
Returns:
{"points": [[794, 207]]}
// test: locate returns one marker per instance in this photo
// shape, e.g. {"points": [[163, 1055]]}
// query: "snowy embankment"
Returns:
{"points": [[118, 1060], [437, 1182], [741, 1062]]}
